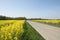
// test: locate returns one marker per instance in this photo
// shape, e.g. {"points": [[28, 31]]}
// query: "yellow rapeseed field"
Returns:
{"points": [[11, 29], [49, 21]]}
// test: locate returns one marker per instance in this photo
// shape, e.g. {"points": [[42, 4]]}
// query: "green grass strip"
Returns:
{"points": [[30, 33]]}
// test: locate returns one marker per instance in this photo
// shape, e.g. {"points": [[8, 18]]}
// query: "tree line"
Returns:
{"points": [[11, 18], [22, 18]]}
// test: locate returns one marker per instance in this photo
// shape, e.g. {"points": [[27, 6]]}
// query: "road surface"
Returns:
{"points": [[48, 32]]}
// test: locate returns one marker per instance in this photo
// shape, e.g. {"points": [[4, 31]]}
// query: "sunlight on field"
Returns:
{"points": [[48, 21], [11, 29]]}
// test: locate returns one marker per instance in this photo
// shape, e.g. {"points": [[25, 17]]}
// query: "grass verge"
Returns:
{"points": [[30, 33]]}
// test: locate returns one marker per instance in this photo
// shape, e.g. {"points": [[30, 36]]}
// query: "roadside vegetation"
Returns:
{"points": [[31, 34], [18, 30], [11, 29]]}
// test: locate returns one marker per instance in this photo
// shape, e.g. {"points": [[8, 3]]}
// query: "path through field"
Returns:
{"points": [[47, 31]]}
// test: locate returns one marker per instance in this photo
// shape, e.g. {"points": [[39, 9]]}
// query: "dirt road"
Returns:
{"points": [[47, 31]]}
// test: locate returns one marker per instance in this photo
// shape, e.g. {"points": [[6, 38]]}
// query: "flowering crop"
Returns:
{"points": [[49, 21], [11, 29]]}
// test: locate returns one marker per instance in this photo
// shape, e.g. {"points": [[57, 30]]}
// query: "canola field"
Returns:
{"points": [[11, 29], [52, 22]]}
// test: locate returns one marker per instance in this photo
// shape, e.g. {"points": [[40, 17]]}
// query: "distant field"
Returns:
{"points": [[50, 22]]}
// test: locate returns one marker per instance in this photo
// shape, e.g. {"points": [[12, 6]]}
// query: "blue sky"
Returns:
{"points": [[30, 8]]}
